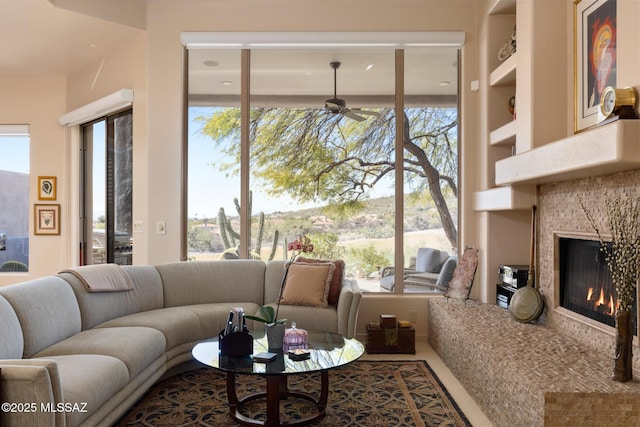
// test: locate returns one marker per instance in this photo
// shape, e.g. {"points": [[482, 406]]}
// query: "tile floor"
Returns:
{"points": [[462, 398]]}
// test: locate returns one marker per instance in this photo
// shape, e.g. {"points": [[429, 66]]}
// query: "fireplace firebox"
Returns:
{"points": [[585, 281]]}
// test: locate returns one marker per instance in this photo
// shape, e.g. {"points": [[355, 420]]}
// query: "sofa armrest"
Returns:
{"points": [[32, 389], [348, 306]]}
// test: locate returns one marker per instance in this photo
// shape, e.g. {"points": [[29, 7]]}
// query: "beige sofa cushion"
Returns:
{"points": [[273, 280], [47, 310], [137, 347], [179, 325], [309, 318], [204, 282], [10, 332], [96, 308]]}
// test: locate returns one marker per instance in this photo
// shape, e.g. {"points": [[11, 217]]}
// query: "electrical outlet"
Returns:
{"points": [[413, 316], [138, 226]]}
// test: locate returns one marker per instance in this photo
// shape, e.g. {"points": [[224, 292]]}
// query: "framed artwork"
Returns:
{"points": [[595, 57], [47, 188], [47, 219]]}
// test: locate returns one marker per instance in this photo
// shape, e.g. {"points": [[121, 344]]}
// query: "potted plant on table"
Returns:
{"points": [[266, 314], [274, 327]]}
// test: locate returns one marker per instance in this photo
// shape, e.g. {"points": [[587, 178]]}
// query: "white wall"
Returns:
{"points": [[125, 68]]}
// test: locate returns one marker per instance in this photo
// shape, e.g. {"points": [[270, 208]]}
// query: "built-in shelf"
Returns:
{"points": [[614, 147], [505, 198], [505, 73], [504, 135]]}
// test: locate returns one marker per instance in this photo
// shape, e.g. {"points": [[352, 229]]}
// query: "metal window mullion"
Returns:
{"points": [[86, 194], [399, 167], [245, 213], [110, 189]]}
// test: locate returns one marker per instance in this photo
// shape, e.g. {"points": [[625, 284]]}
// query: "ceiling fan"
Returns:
{"points": [[336, 105]]}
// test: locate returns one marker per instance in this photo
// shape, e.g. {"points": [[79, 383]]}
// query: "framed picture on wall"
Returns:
{"points": [[47, 188], [595, 57], [47, 219]]}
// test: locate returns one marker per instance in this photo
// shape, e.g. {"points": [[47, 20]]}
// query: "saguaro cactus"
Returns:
{"points": [[230, 237]]}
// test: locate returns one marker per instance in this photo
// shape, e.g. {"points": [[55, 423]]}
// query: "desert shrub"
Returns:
{"points": [[325, 245], [367, 260]]}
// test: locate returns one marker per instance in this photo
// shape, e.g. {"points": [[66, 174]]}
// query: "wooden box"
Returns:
{"points": [[388, 321], [390, 340]]}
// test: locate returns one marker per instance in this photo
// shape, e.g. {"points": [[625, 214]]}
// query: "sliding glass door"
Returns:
{"points": [[107, 192]]}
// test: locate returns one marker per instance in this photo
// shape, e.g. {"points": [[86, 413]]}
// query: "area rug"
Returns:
{"points": [[364, 393]]}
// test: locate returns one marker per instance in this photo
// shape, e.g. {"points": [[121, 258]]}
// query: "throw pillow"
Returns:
{"points": [[428, 260], [307, 284], [336, 280]]}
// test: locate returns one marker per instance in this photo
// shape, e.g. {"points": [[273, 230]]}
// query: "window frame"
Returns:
{"points": [[19, 131], [245, 43], [86, 187]]}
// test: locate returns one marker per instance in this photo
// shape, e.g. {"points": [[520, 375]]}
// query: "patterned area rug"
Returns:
{"points": [[364, 393]]}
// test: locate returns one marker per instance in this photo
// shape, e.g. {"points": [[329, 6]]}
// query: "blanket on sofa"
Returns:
{"points": [[102, 277]]}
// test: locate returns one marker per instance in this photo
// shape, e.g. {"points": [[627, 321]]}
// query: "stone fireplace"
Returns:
{"points": [[561, 219], [585, 285]]}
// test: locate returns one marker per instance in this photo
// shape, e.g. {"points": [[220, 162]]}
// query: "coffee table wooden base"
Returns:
{"points": [[277, 390]]}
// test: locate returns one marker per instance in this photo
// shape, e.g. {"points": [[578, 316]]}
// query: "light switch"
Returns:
{"points": [[161, 227]]}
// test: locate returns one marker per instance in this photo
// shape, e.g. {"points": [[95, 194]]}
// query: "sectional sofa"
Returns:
{"points": [[73, 355]]}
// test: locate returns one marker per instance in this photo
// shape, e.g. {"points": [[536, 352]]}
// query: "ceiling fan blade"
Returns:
{"points": [[367, 112], [353, 116]]}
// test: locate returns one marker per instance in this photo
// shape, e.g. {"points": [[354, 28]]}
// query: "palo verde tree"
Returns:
{"points": [[316, 156]]}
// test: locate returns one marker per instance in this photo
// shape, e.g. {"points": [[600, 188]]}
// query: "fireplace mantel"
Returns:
{"points": [[610, 148]]}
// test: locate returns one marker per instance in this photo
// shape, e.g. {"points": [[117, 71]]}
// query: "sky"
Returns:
{"points": [[209, 189], [14, 153]]}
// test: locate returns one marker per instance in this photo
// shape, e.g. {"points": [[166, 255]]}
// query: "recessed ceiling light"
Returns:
{"points": [[445, 83], [369, 67], [211, 63], [226, 83]]}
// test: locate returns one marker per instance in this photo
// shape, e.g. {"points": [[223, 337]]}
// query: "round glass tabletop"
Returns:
{"points": [[327, 350]]}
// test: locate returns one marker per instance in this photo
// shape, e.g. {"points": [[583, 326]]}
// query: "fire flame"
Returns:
{"points": [[601, 301]]}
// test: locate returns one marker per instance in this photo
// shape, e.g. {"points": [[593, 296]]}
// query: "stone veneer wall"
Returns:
{"points": [[559, 212]]}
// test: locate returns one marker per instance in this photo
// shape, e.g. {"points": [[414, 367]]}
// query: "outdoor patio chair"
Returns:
{"points": [[425, 270]]}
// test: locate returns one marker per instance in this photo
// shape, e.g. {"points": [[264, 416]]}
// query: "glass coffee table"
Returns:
{"points": [[327, 351]]}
